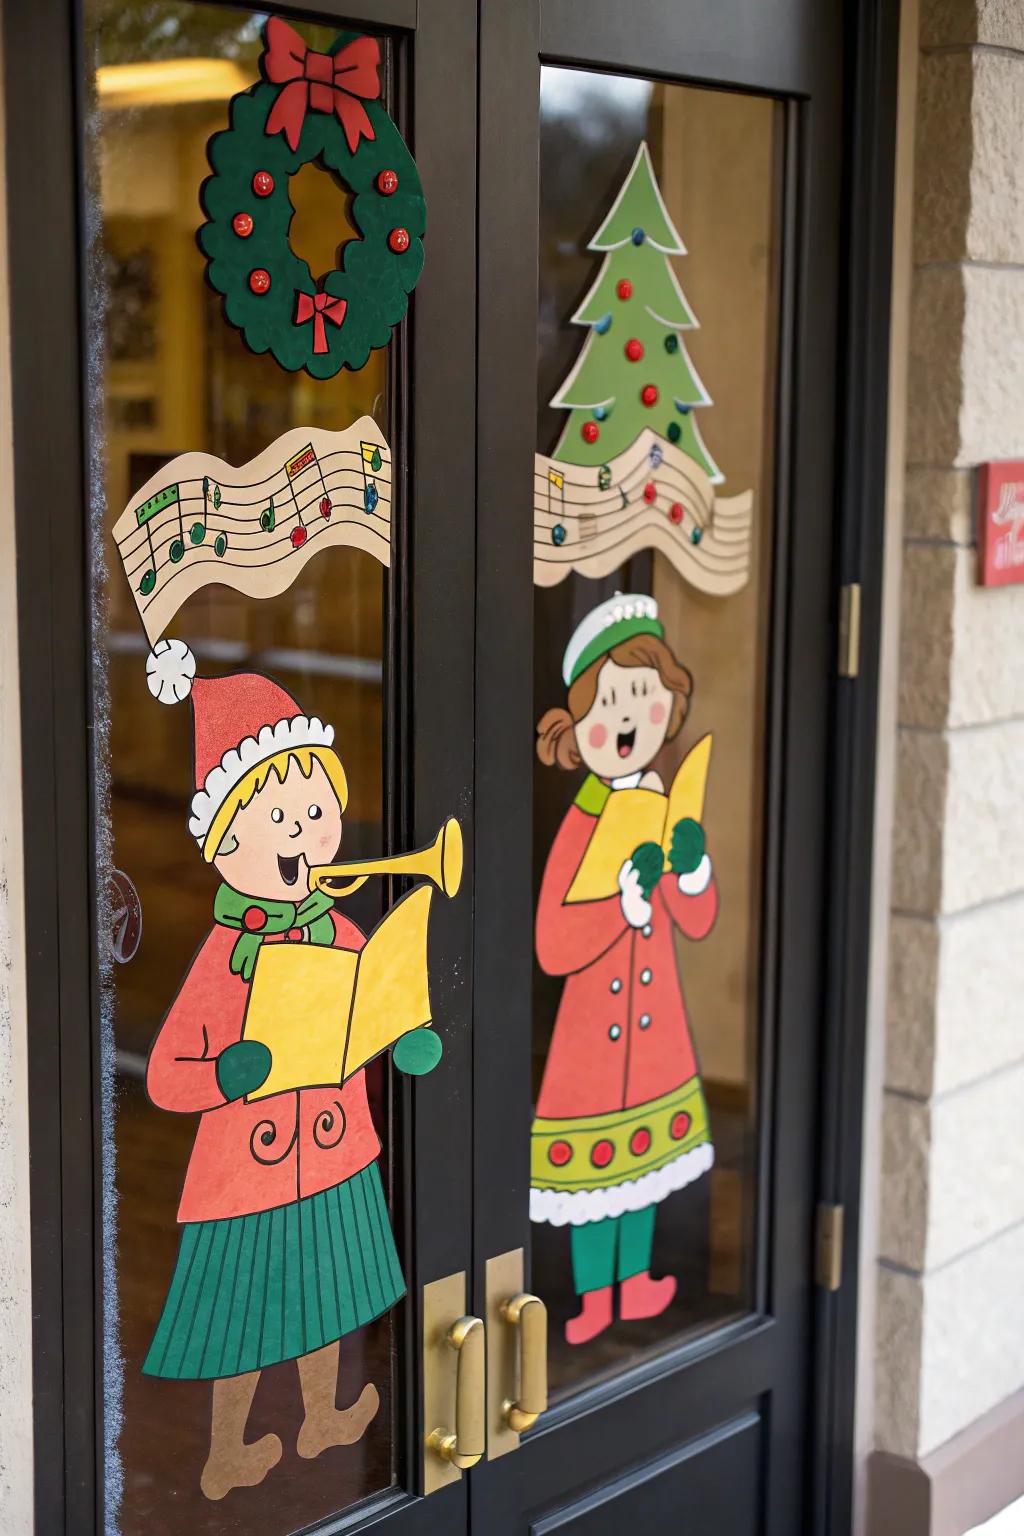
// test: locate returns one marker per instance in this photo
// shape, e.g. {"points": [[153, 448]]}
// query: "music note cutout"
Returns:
{"points": [[370, 455], [557, 480], [293, 467], [144, 515]]}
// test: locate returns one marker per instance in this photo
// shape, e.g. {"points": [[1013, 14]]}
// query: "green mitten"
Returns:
{"points": [[649, 863], [242, 1068], [417, 1053], [687, 846]]}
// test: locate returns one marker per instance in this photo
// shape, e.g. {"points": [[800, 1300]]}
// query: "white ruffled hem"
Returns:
{"points": [[575, 1207]]}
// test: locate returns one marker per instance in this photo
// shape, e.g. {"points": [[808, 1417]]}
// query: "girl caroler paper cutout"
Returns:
{"points": [[286, 1246], [621, 1121]]}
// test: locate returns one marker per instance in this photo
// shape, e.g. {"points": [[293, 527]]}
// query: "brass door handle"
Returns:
{"points": [[464, 1446], [528, 1316]]}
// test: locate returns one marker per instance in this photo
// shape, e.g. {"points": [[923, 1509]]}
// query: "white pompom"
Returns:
{"points": [[170, 668]]}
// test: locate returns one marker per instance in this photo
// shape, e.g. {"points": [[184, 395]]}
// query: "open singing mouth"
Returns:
{"points": [[626, 741], [289, 868]]}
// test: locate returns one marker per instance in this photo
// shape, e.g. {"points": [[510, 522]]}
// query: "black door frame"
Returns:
{"points": [[57, 497], [514, 40]]}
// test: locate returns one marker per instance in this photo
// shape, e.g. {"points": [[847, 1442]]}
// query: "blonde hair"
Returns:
{"points": [[248, 787]]}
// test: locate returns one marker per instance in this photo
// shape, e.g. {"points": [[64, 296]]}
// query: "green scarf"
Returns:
{"points": [[230, 907]]}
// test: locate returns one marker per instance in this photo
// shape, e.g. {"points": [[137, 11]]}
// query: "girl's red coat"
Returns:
{"points": [[621, 1036]]}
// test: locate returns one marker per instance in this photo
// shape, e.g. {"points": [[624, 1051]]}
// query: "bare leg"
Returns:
{"points": [[232, 1463], [325, 1424]]}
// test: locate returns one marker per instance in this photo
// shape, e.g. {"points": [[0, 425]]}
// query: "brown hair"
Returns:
{"points": [[556, 729]]}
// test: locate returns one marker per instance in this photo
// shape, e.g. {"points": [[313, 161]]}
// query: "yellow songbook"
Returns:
{"points": [[323, 1013], [634, 816]]}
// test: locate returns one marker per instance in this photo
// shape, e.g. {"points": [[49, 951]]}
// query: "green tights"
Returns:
{"points": [[612, 1249]]}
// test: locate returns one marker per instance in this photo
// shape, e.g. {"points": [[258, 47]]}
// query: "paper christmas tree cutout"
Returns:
{"points": [[634, 370]]}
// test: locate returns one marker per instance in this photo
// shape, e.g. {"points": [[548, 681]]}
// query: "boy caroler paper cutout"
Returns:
{"points": [[286, 1245], [621, 1120]]}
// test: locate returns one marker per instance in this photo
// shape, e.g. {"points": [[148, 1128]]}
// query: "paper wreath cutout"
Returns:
{"points": [[322, 108]]}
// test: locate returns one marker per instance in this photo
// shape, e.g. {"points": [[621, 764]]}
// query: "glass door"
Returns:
{"points": [[263, 764], [659, 770]]}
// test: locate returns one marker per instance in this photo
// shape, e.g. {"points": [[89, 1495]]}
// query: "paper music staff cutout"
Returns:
{"points": [[253, 528], [651, 496]]}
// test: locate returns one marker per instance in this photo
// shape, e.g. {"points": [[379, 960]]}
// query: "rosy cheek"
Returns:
{"points": [[325, 840], [657, 713], [597, 735]]}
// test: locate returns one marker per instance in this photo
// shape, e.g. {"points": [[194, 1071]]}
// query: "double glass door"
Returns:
{"points": [[572, 694]]}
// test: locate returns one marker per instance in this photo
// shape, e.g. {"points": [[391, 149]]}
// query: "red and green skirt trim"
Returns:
{"points": [[251, 1291]]}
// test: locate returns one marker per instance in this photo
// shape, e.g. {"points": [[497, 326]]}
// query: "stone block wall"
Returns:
{"points": [[950, 1304]]}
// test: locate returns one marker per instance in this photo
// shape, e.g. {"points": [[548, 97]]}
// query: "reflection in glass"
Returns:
{"points": [[647, 983], [169, 376]]}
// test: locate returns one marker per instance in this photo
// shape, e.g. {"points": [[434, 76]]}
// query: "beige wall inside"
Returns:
{"points": [[717, 171], [950, 1274], [15, 1275]]}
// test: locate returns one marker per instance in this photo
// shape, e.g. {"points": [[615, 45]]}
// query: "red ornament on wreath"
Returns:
{"points": [[323, 109]]}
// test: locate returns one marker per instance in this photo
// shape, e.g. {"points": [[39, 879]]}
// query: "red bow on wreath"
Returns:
{"points": [[319, 307], [319, 82]]}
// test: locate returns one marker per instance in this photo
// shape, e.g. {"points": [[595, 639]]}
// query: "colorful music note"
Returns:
{"points": [[268, 518], [604, 478], [294, 466], [144, 515], [370, 456], [655, 456]]}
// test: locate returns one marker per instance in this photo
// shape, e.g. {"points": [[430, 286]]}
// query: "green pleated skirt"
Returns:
{"points": [[251, 1291]]}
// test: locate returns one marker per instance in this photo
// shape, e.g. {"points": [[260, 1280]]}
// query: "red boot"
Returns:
{"points": [[593, 1317], [640, 1296]]}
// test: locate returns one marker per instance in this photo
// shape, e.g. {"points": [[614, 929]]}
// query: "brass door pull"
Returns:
{"points": [[528, 1316], [464, 1446]]}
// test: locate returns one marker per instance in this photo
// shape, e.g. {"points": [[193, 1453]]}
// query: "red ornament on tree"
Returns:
{"points": [[387, 183], [634, 349], [624, 288], [398, 240], [242, 225], [259, 280], [649, 394], [263, 183], [298, 537], [650, 491], [590, 431], [675, 511]]}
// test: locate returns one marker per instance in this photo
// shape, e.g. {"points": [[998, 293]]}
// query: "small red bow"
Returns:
{"points": [[319, 82], [319, 307]]}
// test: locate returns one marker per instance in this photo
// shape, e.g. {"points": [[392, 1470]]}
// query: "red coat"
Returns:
{"points": [[621, 1036], [251, 1157]]}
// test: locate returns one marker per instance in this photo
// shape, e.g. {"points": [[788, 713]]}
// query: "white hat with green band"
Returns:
{"points": [[618, 618]]}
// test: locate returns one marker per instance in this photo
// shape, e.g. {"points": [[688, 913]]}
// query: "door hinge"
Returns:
{"points": [[828, 1246], [849, 629]]}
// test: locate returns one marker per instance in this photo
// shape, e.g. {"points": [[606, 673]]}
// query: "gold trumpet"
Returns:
{"points": [[440, 863]]}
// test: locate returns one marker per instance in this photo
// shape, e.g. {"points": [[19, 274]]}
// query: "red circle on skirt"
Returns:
{"points": [[295, 934], [559, 1153], [602, 1153], [680, 1125], [640, 1141]]}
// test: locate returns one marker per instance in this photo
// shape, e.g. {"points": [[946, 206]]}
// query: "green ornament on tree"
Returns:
{"points": [[634, 370], [320, 108]]}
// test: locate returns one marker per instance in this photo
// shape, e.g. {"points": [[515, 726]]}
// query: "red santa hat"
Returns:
{"points": [[240, 721]]}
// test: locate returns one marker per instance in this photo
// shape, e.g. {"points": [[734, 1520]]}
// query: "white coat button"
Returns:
{"points": [[646, 930], [616, 985], [614, 1032], [645, 1021], [645, 976]]}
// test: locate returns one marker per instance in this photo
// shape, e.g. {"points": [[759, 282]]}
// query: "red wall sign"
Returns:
{"points": [[1001, 523]]}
